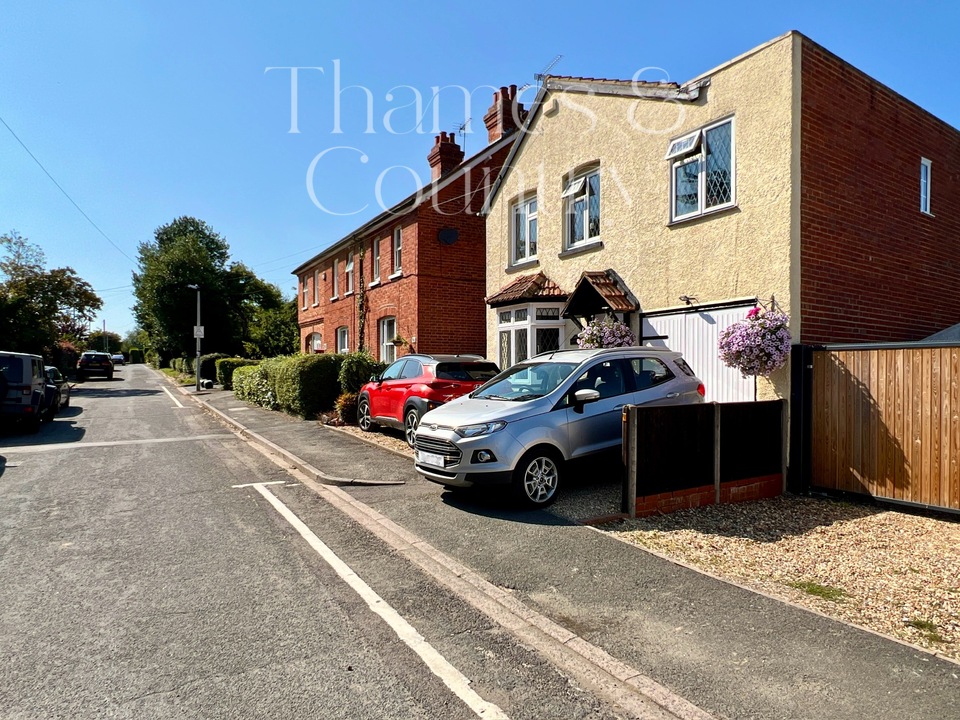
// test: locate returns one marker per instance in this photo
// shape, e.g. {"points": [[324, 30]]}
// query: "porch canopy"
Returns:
{"points": [[528, 288], [599, 292]]}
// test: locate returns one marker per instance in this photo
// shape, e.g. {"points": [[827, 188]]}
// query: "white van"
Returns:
{"points": [[22, 389]]}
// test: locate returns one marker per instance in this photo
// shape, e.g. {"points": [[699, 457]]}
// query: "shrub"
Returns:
{"points": [[226, 367], [757, 345], [250, 383], [136, 355], [607, 333], [208, 367], [152, 358], [346, 407], [308, 384], [356, 370]]}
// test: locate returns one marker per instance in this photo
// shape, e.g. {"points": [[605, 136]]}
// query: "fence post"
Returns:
{"points": [[628, 502], [716, 453]]}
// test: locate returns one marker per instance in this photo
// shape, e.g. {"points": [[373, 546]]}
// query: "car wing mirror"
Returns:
{"points": [[582, 397]]}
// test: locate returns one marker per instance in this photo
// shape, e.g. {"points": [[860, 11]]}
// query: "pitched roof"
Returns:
{"points": [[529, 288], [408, 203], [599, 291]]}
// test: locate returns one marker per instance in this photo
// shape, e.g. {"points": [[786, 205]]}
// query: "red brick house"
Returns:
{"points": [[419, 266]]}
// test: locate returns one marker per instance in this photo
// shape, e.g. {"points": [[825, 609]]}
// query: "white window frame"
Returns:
{"points": [[522, 216], [692, 148], [576, 186], [397, 248], [926, 175], [343, 339], [531, 324], [316, 342], [305, 292], [375, 254], [388, 351], [348, 268], [335, 280], [316, 287]]}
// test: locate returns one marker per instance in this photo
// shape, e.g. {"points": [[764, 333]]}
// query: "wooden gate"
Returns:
{"points": [[886, 422]]}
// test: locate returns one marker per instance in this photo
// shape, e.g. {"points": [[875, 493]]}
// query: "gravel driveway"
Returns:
{"points": [[891, 571]]}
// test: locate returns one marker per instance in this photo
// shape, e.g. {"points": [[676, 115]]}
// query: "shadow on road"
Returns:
{"points": [[87, 391]]}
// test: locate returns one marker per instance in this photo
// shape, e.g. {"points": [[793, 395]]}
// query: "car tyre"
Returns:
{"points": [[109, 376], [364, 421], [411, 421], [537, 477]]}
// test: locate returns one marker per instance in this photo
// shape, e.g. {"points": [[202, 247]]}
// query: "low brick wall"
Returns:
{"points": [[736, 491]]}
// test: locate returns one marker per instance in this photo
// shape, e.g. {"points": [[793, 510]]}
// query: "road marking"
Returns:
{"points": [[68, 446], [272, 482], [451, 677], [179, 404]]}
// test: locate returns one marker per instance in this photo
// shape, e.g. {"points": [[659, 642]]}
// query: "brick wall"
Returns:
{"points": [[873, 267]]}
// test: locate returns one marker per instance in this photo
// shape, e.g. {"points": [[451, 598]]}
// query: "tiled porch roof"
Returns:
{"points": [[528, 288], [599, 291]]}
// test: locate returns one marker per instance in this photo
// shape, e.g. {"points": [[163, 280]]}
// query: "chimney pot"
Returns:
{"points": [[505, 115]]}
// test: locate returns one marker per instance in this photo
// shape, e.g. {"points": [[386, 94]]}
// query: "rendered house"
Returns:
{"points": [[784, 175], [419, 265]]}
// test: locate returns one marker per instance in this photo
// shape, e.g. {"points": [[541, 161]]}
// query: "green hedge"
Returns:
{"points": [[303, 385], [356, 370], [136, 356], [225, 368], [208, 367]]}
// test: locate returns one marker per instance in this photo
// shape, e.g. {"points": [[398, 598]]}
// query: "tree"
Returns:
{"points": [[274, 332], [40, 307], [188, 252], [108, 342]]}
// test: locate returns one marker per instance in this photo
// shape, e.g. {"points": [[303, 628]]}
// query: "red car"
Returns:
{"points": [[416, 383]]}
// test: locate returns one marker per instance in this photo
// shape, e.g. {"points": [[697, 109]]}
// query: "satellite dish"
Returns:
{"points": [[448, 236]]}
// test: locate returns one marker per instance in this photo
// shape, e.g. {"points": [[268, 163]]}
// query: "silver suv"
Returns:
{"points": [[521, 427]]}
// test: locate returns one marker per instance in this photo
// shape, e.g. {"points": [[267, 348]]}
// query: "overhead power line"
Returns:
{"points": [[65, 194]]}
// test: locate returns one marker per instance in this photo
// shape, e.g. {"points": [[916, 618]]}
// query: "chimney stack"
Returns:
{"points": [[444, 156], [505, 116]]}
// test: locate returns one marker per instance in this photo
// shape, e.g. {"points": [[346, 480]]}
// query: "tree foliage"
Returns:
{"points": [[189, 252], [104, 341], [40, 307], [273, 331]]}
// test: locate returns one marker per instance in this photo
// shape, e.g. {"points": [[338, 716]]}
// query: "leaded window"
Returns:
{"points": [[524, 231], [581, 209], [702, 171], [528, 330]]}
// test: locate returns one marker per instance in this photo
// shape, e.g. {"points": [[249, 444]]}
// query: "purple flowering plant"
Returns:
{"points": [[606, 333], [757, 345]]}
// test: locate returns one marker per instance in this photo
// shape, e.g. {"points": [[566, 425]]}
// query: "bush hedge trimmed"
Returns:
{"points": [[303, 385], [208, 367], [225, 368], [356, 370]]}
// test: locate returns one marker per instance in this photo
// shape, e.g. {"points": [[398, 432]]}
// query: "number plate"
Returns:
{"points": [[428, 458]]}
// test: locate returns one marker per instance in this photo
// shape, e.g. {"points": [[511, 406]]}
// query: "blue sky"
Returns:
{"points": [[143, 112]]}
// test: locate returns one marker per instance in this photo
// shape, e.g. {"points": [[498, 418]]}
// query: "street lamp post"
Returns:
{"points": [[198, 333]]}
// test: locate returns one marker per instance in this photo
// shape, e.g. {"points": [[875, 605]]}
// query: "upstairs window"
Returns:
{"points": [[702, 171], [335, 280], [305, 292], [397, 248], [375, 254], [926, 168], [349, 271], [524, 231], [581, 209], [316, 286]]}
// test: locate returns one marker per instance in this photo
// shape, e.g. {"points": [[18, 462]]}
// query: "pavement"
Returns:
{"points": [[689, 644]]}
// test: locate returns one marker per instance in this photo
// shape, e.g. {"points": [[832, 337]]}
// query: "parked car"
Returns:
{"points": [[117, 359], [526, 424], [57, 392], [94, 363], [416, 384], [22, 389]]}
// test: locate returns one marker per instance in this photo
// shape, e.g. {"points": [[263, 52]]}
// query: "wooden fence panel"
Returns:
{"points": [[886, 422]]}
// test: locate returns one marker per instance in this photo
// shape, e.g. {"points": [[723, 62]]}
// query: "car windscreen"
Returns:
{"points": [[526, 382], [466, 371], [12, 369]]}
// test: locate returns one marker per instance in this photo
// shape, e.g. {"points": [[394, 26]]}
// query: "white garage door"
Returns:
{"points": [[694, 334]]}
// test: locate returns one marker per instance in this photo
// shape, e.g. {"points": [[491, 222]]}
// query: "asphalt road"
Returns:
{"points": [[139, 581]]}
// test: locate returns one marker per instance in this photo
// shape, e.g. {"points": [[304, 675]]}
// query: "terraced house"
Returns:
{"points": [[784, 176], [418, 265]]}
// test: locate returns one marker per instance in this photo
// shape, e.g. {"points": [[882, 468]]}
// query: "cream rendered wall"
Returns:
{"points": [[736, 253]]}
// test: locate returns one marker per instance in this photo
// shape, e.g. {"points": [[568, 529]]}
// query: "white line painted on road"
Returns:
{"points": [[78, 445], [179, 404], [272, 482], [451, 677]]}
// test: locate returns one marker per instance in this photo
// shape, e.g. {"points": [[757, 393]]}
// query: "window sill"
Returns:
{"points": [[373, 284], [348, 294], [396, 275], [521, 266], [580, 249], [334, 298], [316, 304], [704, 215], [927, 213]]}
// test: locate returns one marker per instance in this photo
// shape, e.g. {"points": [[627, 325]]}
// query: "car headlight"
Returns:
{"points": [[469, 431]]}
